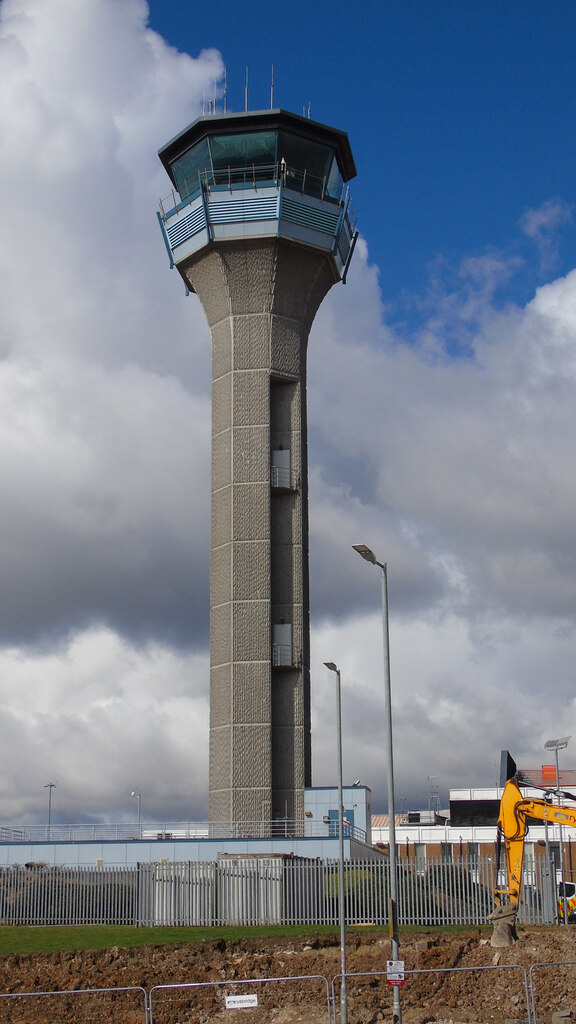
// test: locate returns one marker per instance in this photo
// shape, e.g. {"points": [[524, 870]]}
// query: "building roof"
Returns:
{"points": [[545, 777]]}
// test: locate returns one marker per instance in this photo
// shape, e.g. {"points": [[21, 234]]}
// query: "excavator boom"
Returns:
{"points": [[515, 812]]}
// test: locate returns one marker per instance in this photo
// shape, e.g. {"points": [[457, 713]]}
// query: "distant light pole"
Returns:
{"points": [[341, 894], [138, 794], [50, 786], [557, 745], [369, 556]]}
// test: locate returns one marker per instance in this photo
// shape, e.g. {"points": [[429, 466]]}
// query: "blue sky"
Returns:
{"points": [[441, 394], [460, 114]]}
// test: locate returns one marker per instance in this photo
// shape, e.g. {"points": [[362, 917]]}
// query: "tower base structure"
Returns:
{"points": [[260, 244]]}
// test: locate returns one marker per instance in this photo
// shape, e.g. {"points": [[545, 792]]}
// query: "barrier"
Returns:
{"points": [[245, 1001], [440, 991], [246, 890], [88, 1005], [559, 992], [444, 990]]}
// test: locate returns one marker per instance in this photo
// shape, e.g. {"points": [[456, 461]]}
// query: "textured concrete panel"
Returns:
{"points": [[222, 403], [221, 349], [251, 398], [250, 268], [221, 634], [251, 512], [221, 805], [221, 460], [251, 574], [221, 574], [283, 398], [251, 454], [284, 758], [287, 704], [221, 707], [252, 697], [220, 756], [251, 349], [286, 517], [251, 631], [221, 518], [251, 755], [303, 277], [287, 353], [206, 275]]}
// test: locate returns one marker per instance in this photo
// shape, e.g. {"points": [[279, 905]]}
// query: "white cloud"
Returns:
{"points": [[449, 450], [542, 224]]}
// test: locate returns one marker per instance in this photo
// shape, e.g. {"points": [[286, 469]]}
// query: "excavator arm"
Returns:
{"points": [[515, 811]]}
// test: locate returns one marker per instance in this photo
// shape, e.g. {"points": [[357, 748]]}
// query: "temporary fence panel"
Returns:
{"points": [[250, 1001], [553, 990], [440, 992], [91, 1006]]}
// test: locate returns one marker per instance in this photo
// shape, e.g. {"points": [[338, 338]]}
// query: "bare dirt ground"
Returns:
{"points": [[491, 991]]}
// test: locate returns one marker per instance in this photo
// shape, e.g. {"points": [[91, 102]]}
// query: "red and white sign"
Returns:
{"points": [[395, 972]]}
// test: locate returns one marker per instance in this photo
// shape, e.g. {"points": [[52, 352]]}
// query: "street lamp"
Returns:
{"points": [[369, 556], [138, 794], [557, 745], [50, 786], [341, 895]]}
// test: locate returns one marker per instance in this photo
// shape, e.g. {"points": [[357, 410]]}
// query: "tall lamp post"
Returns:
{"points": [[50, 786], [341, 894], [557, 745], [138, 794], [369, 556]]}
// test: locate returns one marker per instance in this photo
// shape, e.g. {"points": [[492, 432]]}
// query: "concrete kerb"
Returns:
{"points": [[160, 993], [336, 981]]}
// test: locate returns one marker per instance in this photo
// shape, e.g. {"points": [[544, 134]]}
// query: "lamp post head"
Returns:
{"points": [[331, 666], [557, 744], [369, 556], [365, 552]]}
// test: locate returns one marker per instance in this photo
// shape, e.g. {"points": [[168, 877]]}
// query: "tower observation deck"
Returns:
{"points": [[259, 226]]}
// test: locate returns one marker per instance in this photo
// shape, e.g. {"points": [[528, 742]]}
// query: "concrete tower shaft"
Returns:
{"points": [[260, 244]]}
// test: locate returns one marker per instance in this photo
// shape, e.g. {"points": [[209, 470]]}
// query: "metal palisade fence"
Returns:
{"points": [[251, 891]]}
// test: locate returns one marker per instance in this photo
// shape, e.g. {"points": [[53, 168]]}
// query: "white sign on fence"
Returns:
{"points": [[394, 972], [237, 1002]]}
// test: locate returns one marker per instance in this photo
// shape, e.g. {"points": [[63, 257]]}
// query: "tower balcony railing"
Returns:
{"points": [[254, 176], [282, 479], [286, 656]]}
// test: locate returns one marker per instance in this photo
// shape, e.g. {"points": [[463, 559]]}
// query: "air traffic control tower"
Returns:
{"points": [[258, 225]]}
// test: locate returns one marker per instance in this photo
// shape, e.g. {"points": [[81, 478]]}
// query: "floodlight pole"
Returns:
{"points": [[138, 794], [341, 883], [369, 556], [49, 786], [557, 745]]}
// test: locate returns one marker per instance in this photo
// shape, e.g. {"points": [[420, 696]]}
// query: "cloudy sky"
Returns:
{"points": [[442, 393]]}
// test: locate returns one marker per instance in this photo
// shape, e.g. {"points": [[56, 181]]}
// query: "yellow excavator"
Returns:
{"points": [[515, 813]]}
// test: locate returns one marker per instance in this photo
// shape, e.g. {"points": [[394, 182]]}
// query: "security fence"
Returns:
{"points": [[258, 890]]}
